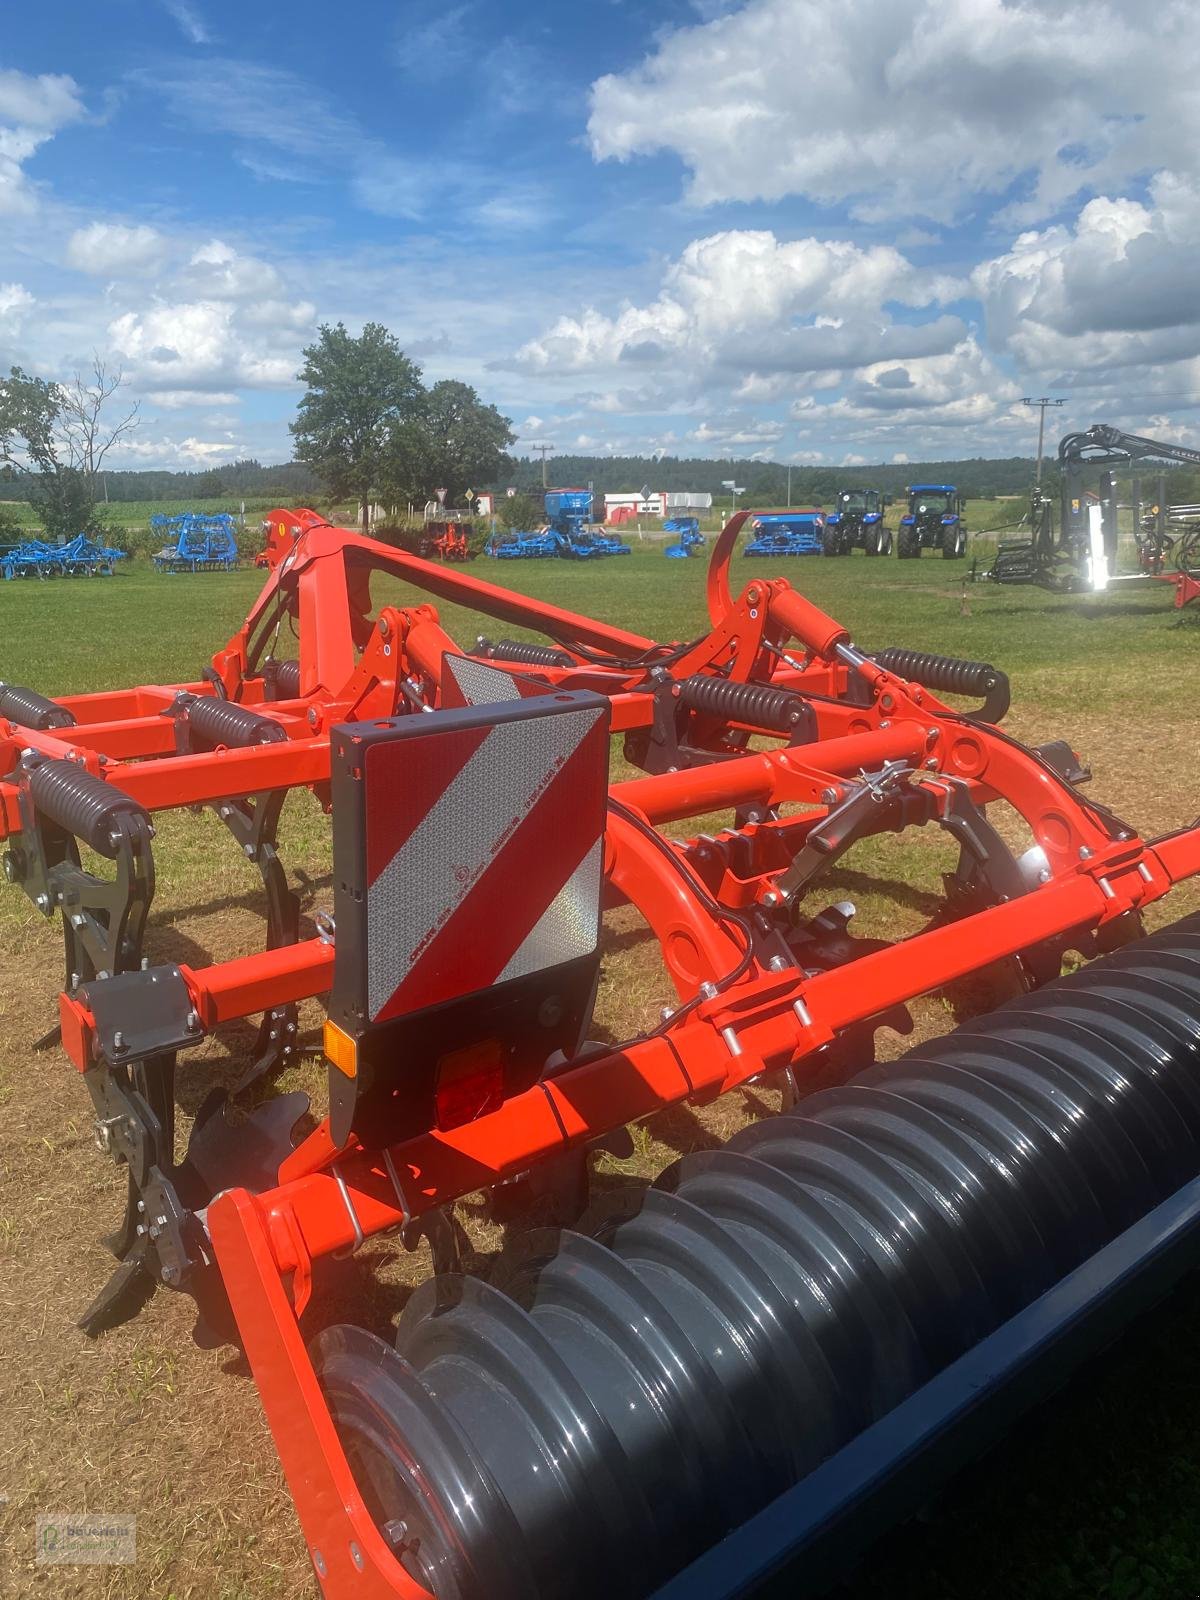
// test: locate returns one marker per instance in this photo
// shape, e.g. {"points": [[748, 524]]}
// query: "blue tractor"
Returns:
{"points": [[935, 521], [856, 523], [689, 537], [786, 533]]}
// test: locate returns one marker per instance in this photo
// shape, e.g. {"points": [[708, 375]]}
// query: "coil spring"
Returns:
{"points": [[284, 679], [32, 710], [220, 722], [778, 710], [536, 655], [628, 1398], [80, 803], [950, 675]]}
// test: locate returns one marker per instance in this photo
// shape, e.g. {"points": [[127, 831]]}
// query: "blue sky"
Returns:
{"points": [[766, 227]]}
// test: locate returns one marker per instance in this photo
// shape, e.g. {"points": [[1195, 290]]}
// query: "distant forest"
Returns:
{"points": [[765, 482], [292, 483]]}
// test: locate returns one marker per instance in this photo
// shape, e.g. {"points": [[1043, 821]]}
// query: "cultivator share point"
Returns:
{"points": [[780, 1344]]}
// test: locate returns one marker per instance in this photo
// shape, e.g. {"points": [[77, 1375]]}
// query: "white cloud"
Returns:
{"points": [[727, 434], [217, 271], [181, 399], [937, 101], [32, 110], [753, 303], [1115, 289], [962, 388], [191, 24], [110, 249], [139, 451], [15, 301], [207, 345]]}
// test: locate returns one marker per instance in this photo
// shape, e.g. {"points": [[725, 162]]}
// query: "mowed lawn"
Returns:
{"points": [[1096, 1496]]}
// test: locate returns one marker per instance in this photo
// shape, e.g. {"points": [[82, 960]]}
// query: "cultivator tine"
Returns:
{"points": [[123, 1296]]}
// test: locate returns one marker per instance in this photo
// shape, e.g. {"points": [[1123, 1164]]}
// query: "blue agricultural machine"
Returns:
{"points": [[80, 558], [857, 524], [935, 520], [786, 533], [569, 535], [689, 537], [196, 542]]}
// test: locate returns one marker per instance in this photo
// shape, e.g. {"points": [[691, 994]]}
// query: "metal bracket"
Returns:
{"points": [[142, 1014]]}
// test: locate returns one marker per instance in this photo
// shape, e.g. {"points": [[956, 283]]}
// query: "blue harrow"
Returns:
{"points": [[524, 546], [197, 542], [80, 558], [690, 538], [786, 533]]}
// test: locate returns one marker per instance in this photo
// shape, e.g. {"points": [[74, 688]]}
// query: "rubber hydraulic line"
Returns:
{"points": [[629, 1398], [534, 655], [32, 710], [81, 804], [950, 675], [777, 710], [214, 722]]}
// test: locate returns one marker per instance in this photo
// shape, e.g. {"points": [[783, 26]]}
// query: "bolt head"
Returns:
{"points": [[1085, 853], [829, 797], [171, 1275]]}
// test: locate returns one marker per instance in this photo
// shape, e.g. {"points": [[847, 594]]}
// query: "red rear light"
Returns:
{"points": [[470, 1083]]}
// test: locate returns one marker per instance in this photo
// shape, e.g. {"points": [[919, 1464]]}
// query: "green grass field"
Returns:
{"points": [[1097, 1496]]}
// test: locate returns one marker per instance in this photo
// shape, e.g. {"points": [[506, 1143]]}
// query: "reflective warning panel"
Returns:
{"points": [[468, 854], [467, 682]]}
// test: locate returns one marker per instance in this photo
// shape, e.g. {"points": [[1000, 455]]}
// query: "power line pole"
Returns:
{"points": [[546, 450], [1041, 403]]}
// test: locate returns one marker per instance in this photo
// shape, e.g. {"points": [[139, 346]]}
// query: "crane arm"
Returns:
{"points": [[1101, 445]]}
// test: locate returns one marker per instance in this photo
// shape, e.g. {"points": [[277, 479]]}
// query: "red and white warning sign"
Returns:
{"points": [[483, 843]]}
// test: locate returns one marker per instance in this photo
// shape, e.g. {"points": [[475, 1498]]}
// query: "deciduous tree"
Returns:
{"points": [[454, 441], [55, 438], [360, 392]]}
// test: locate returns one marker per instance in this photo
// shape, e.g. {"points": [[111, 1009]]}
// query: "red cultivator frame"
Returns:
{"points": [[476, 842]]}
